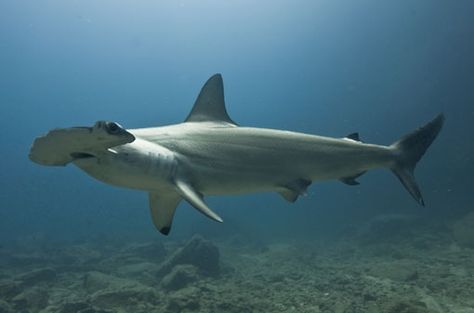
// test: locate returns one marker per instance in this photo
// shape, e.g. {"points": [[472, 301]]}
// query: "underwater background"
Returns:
{"points": [[380, 68]]}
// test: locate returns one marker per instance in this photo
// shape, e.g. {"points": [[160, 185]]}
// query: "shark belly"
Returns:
{"points": [[138, 165], [113, 171]]}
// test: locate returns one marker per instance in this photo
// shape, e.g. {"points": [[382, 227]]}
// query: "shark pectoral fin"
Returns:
{"points": [[294, 189], [162, 208], [195, 199]]}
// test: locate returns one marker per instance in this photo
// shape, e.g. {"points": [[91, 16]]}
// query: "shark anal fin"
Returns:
{"points": [[289, 195], [351, 180], [162, 208], [195, 199], [294, 189], [210, 104]]}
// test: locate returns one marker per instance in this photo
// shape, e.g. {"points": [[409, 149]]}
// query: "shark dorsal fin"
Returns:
{"points": [[353, 136], [210, 104]]}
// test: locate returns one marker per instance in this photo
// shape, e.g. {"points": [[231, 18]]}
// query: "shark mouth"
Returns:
{"points": [[81, 155]]}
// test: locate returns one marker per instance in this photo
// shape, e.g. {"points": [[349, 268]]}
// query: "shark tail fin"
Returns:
{"points": [[409, 150]]}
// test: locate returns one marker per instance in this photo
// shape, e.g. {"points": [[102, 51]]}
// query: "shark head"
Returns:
{"points": [[63, 145]]}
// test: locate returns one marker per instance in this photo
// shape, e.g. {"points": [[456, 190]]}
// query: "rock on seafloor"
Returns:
{"points": [[5, 307], [125, 297], [153, 251], [389, 227], [463, 230], [180, 276], [108, 291], [185, 300], [201, 253], [42, 275], [9, 289], [31, 299], [347, 275], [27, 292], [95, 281]]}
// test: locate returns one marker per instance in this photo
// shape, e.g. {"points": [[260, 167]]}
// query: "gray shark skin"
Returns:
{"points": [[209, 154]]}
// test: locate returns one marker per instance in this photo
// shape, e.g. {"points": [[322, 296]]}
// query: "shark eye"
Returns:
{"points": [[113, 128]]}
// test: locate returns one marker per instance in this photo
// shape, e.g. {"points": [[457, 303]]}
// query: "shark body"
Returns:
{"points": [[209, 154]]}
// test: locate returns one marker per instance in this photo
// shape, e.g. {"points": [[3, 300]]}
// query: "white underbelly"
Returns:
{"points": [[119, 174]]}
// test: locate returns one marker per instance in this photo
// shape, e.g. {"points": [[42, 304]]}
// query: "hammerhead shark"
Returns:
{"points": [[209, 154]]}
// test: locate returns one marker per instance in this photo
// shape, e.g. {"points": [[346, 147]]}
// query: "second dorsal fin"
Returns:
{"points": [[353, 136], [210, 104]]}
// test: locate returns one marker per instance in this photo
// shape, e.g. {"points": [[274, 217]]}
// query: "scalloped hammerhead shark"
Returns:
{"points": [[209, 154]]}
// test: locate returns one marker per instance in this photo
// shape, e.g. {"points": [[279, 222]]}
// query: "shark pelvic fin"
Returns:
{"points": [[195, 199], [294, 189], [162, 208], [351, 180], [210, 104]]}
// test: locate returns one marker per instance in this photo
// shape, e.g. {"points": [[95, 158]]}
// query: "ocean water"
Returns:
{"points": [[69, 243]]}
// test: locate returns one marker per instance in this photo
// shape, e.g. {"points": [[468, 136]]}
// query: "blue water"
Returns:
{"points": [[382, 68]]}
